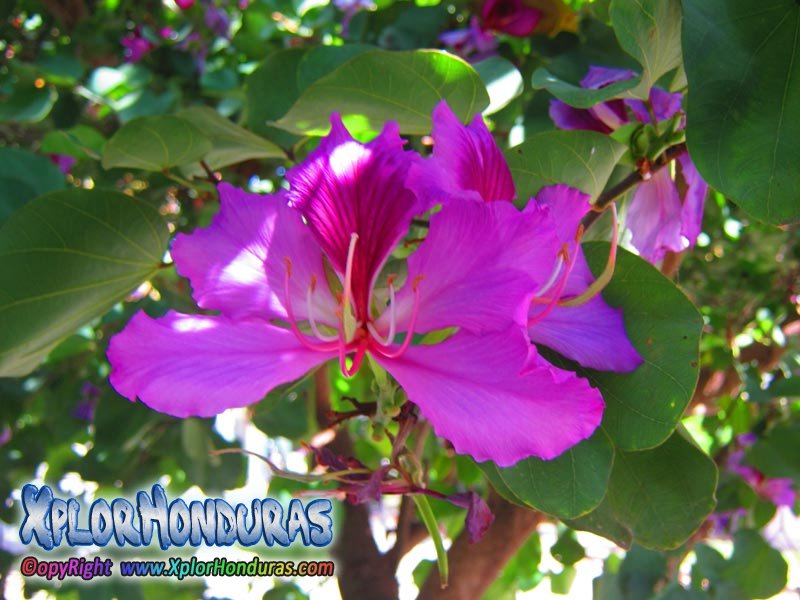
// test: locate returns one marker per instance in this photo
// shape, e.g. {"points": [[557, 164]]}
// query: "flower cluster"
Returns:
{"points": [[307, 275], [659, 219]]}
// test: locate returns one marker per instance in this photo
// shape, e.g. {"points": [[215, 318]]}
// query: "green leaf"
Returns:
{"points": [[567, 550], [155, 143], [758, 570], [380, 86], [743, 117], [566, 487], [643, 407], [777, 454], [650, 31], [576, 96], [502, 80], [322, 60], [230, 144], [28, 104], [67, 257], [639, 573], [80, 141], [270, 91], [653, 502], [582, 159], [23, 176]]}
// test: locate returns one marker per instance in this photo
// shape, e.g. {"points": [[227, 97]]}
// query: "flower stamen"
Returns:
{"points": [[384, 349], [387, 341], [312, 322], [301, 337], [599, 284]]}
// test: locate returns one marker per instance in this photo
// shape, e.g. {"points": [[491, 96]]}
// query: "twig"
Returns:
{"points": [[632, 180]]}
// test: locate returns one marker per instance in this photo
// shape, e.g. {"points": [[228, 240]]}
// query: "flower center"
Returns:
{"points": [[353, 335]]}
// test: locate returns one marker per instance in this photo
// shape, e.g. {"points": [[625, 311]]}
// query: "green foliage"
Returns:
{"points": [[378, 86], [155, 143], [95, 248], [744, 107], [650, 501], [582, 159], [24, 176], [650, 32]]}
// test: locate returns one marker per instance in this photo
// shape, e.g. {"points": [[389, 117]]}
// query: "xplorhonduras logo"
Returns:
{"points": [[50, 520]]}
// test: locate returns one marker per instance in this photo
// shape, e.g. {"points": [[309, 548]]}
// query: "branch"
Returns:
{"points": [[362, 571], [473, 567], [631, 181]]}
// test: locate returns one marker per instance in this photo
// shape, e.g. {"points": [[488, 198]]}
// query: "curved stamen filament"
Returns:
{"points": [[553, 277], [349, 324], [388, 352], [357, 359], [605, 277], [302, 338], [387, 341], [310, 312], [553, 301]]}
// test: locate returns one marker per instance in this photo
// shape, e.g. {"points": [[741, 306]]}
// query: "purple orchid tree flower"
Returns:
{"points": [[510, 16], [64, 162], [216, 19], [135, 46], [301, 277], [467, 165], [659, 219], [478, 41], [350, 8], [778, 490], [473, 42]]}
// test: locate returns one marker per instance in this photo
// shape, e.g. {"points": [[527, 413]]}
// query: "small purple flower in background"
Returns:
{"points": [[135, 46], [90, 395], [299, 279], [216, 19], [509, 16], [779, 490], [659, 219], [350, 8], [478, 41], [472, 42], [64, 162], [184, 4], [5, 435]]}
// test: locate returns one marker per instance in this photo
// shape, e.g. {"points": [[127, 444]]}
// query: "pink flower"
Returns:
{"points": [[468, 165], [135, 46], [510, 16], [302, 277], [659, 219]]}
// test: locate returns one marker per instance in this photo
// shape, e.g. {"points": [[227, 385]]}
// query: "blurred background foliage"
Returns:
{"points": [[74, 77]]}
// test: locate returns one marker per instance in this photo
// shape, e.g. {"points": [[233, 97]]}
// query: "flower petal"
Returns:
{"points": [[466, 162], [654, 217], [345, 187], [592, 334], [565, 116], [510, 16], [195, 365], [693, 202], [567, 206], [599, 77], [225, 262], [478, 267], [494, 399]]}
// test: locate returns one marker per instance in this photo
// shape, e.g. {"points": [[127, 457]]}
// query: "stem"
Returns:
{"points": [[632, 180], [473, 567], [424, 508]]}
